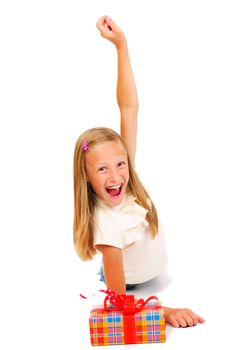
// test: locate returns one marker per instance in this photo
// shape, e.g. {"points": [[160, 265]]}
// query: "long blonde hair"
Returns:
{"points": [[85, 198]]}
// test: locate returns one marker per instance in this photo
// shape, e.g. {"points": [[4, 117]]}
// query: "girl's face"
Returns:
{"points": [[107, 171]]}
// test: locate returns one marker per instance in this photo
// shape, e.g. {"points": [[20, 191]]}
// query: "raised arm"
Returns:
{"points": [[126, 88], [127, 101]]}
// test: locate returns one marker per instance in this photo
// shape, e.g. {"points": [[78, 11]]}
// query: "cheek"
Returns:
{"points": [[97, 181], [127, 175], [91, 176]]}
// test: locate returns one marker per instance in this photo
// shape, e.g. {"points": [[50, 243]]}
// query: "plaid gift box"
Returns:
{"points": [[125, 321]]}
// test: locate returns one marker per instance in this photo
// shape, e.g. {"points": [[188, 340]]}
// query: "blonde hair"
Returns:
{"points": [[85, 198]]}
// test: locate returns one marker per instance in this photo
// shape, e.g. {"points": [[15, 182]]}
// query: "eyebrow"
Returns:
{"points": [[122, 159]]}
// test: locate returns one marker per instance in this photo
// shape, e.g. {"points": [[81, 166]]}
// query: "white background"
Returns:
{"points": [[58, 77]]}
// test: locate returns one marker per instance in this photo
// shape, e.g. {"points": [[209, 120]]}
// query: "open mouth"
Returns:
{"points": [[114, 191]]}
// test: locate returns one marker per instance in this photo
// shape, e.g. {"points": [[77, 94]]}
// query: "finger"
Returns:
{"points": [[181, 321], [107, 27], [173, 321], [196, 318], [101, 22], [189, 320], [111, 23], [200, 319], [104, 28]]}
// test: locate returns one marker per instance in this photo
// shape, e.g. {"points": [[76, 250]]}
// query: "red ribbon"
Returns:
{"points": [[129, 307], [125, 303]]}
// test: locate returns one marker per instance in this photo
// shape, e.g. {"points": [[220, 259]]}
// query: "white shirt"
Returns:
{"points": [[124, 226]]}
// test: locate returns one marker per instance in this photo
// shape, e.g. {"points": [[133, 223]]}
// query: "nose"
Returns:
{"points": [[114, 176]]}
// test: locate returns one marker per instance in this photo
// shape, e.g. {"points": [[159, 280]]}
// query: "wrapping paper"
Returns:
{"points": [[125, 322]]}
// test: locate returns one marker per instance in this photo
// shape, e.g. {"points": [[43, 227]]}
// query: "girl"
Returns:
{"points": [[113, 213]]}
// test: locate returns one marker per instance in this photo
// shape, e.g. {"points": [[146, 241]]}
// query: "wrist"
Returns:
{"points": [[167, 310], [122, 45]]}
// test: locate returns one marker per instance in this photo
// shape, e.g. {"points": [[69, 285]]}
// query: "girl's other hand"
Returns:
{"points": [[109, 30], [181, 317]]}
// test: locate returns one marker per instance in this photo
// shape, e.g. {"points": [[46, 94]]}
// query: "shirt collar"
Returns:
{"points": [[124, 206]]}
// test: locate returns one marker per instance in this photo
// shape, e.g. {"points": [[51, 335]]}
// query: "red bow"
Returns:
{"points": [[125, 303]]}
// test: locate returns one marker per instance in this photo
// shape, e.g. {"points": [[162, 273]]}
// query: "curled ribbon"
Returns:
{"points": [[125, 303]]}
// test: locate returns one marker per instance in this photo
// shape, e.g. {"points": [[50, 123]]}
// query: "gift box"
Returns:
{"points": [[122, 320]]}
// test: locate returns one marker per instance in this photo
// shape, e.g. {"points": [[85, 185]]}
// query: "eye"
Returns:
{"points": [[121, 164], [103, 168]]}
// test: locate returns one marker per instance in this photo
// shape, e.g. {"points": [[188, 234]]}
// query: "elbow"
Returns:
{"points": [[132, 108], [129, 103]]}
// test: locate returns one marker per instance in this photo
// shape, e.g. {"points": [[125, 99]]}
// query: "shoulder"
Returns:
{"points": [[105, 218]]}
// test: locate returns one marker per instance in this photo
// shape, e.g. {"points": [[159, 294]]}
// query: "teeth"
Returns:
{"points": [[114, 187]]}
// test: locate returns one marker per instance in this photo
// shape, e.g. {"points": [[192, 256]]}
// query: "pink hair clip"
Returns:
{"points": [[85, 145]]}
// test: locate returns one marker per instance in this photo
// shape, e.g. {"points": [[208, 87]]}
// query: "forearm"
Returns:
{"points": [[126, 87], [114, 275]]}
